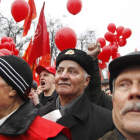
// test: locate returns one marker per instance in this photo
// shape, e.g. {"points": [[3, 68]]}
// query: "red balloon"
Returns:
{"points": [[111, 27], [115, 38], [119, 30], [101, 41], [122, 42], [1, 54], [10, 39], [13, 45], [1, 46], [114, 49], [74, 6], [65, 38], [7, 45], [12, 52], [4, 39], [20, 10], [5, 52], [16, 51], [102, 65], [109, 36], [106, 53], [126, 33], [116, 56]]}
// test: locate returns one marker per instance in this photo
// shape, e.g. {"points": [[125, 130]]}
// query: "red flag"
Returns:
{"points": [[27, 52], [41, 44], [26, 57], [45, 60], [32, 15]]}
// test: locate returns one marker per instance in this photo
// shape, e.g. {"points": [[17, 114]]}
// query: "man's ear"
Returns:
{"points": [[87, 81], [12, 93]]}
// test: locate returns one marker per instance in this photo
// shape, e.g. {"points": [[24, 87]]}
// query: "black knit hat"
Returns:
{"points": [[121, 63], [34, 85], [17, 73], [79, 56]]}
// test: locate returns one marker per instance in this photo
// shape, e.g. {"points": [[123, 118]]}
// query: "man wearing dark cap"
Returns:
{"points": [[34, 86], [105, 86], [86, 121], [46, 79], [18, 115], [125, 86]]}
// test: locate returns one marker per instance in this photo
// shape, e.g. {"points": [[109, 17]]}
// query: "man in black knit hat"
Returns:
{"points": [[18, 115], [86, 120]]}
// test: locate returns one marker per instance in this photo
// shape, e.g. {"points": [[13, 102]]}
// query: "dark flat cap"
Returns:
{"points": [[121, 63], [105, 81]]}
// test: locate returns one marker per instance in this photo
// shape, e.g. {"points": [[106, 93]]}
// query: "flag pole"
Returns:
{"points": [[33, 66]]}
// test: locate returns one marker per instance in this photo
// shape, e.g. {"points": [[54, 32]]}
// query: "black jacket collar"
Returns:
{"points": [[20, 120], [80, 110]]}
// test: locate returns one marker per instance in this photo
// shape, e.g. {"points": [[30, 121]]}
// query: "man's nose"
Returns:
{"points": [[64, 75], [135, 92]]}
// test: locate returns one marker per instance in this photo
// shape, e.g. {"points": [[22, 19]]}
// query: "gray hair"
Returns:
{"points": [[86, 75]]}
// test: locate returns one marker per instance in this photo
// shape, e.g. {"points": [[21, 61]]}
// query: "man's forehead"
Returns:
{"points": [[129, 72], [68, 63], [44, 71]]}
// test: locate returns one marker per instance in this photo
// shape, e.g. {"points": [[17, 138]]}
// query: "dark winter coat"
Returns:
{"points": [[45, 100], [86, 120], [113, 135], [94, 92]]}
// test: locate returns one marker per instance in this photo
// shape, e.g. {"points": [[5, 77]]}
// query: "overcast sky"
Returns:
{"points": [[95, 15]]}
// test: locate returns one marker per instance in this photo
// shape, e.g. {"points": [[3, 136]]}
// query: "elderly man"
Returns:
{"points": [[125, 86], [46, 79], [18, 115], [86, 120]]}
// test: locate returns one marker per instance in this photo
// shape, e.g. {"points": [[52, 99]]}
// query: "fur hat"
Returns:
{"points": [[17, 73], [78, 56], [121, 63]]}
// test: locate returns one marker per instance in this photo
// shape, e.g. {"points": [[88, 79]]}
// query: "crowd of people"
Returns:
{"points": [[70, 102]]}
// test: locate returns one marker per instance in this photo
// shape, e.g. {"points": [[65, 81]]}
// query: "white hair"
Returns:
{"points": [[86, 75]]}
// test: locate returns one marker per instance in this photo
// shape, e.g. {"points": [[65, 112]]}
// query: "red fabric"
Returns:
{"points": [[26, 57], [40, 129], [36, 77], [45, 60], [27, 52], [41, 44], [32, 15]]}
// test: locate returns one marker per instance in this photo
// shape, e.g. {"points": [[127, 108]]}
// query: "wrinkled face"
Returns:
{"points": [[126, 101], [4, 94], [46, 80], [70, 79]]}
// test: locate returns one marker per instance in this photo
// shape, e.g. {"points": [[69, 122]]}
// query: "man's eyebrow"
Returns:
{"points": [[71, 67]]}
